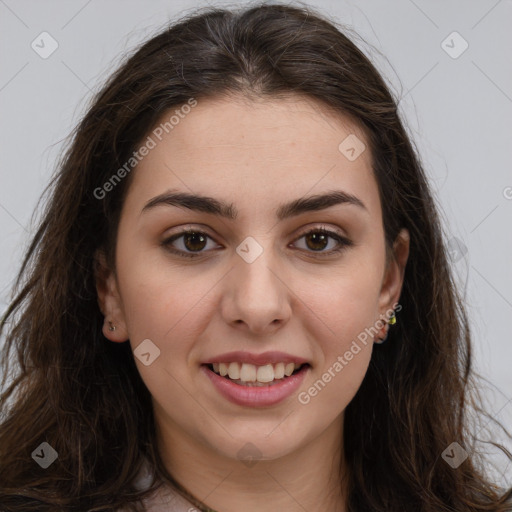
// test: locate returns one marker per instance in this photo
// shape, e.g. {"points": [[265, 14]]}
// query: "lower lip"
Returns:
{"points": [[256, 396]]}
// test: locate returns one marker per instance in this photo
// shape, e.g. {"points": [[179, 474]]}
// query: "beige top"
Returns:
{"points": [[165, 499]]}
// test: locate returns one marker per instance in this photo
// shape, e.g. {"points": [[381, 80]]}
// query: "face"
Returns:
{"points": [[281, 278]]}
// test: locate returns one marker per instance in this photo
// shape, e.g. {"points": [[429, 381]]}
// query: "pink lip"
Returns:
{"points": [[241, 356], [256, 396]]}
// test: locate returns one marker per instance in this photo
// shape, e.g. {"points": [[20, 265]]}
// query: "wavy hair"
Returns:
{"points": [[64, 383]]}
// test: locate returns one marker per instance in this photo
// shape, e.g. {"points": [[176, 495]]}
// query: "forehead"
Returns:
{"points": [[255, 150], [235, 124]]}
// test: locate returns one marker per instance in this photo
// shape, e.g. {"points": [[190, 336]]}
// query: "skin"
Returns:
{"points": [[255, 155]]}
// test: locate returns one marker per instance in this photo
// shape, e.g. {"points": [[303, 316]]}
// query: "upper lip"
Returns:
{"points": [[264, 358]]}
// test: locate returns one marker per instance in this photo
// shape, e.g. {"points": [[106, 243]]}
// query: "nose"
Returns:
{"points": [[256, 298]]}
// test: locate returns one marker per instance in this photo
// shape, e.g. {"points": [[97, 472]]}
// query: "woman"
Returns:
{"points": [[239, 296]]}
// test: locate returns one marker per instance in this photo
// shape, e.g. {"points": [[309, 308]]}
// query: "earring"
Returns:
{"points": [[391, 321], [382, 340], [112, 327]]}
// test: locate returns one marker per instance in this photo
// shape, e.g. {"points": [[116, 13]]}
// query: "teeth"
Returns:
{"points": [[246, 372], [265, 373], [288, 369], [279, 371], [234, 371], [223, 369]]}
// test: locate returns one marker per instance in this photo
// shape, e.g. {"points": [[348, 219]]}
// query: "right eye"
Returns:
{"points": [[192, 243]]}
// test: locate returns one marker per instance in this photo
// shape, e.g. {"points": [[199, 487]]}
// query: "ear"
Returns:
{"points": [[394, 274], [109, 300]]}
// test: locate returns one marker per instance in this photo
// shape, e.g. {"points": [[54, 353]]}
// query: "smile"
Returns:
{"points": [[253, 392], [252, 375]]}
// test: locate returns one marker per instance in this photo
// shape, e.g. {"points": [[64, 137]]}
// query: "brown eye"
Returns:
{"points": [[194, 241], [188, 243], [318, 239], [191, 244]]}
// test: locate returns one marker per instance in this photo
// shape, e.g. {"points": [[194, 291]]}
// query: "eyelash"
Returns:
{"points": [[342, 241]]}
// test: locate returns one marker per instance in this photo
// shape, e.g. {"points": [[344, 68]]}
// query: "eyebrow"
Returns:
{"points": [[213, 206]]}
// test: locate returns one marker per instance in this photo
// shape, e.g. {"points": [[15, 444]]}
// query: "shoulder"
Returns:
{"points": [[164, 499]]}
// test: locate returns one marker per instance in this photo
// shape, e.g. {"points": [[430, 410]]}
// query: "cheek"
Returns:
{"points": [[344, 305], [165, 305], [343, 325], [344, 338], [335, 385], [155, 293], [166, 309]]}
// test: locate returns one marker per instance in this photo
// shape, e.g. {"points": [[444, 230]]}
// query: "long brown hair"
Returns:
{"points": [[72, 388]]}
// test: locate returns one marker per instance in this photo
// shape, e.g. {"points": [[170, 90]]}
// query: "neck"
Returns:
{"points": [[309, 479]]}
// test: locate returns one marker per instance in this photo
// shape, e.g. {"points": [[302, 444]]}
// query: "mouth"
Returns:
{"points": [[251, 385], [251, 375]]}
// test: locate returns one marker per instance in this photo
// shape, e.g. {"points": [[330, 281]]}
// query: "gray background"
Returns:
{"points": [[458, 111]]}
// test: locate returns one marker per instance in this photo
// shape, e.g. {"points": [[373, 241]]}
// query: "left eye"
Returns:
{"points": [[317, 240]]}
